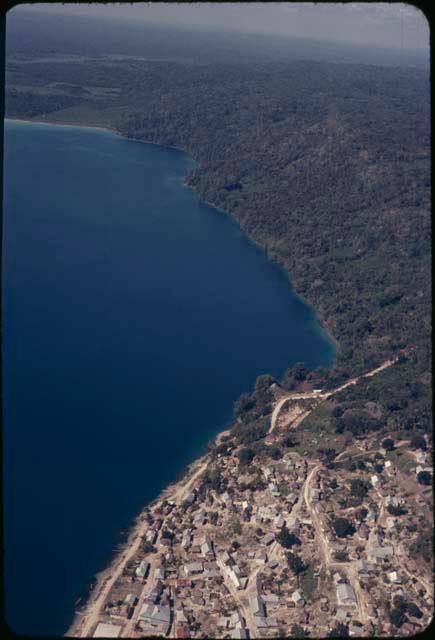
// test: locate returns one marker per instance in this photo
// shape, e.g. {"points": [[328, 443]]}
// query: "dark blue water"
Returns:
{"points": [[133, 317]]}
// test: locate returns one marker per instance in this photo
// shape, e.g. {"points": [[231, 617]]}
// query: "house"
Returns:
{"points": [[268, 473], [389, 467], [257, 607], [271, 599], [236, 619], [341, 615], [151, 536], [273, 489], [159, 573], [261, 557], [279, 522], [189, 498], [105, 630], [193, 568], [401, 550], [362, 568], [268, 539], [298, 598], [156, 616], [374, 480], [207, 548], [130, 600], [142, 569], [315, 495], [421, 457], [345, 595], [355, 629], [186, 540], [199, 517], [394, 577], [379, 554]]}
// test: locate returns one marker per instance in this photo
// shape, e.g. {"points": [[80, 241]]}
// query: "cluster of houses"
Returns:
{"points": [[199, 554]]}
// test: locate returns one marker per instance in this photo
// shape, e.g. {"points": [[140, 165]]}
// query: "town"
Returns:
{"points": [[302, 545]]}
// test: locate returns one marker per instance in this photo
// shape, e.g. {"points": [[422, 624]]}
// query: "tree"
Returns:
{"points": [[413, 610], [343, 527], [295, 563], [246, 456], [337, 411], [167, 535], [147, 547], [289, 442], [242, 405], [300, 371], [298, 632], [418, 442], [396, 511], [359, 488], [287, 539], [397, 617], [275, 453], [424, 477], [388, 444], [339, 631], [333, 484]]}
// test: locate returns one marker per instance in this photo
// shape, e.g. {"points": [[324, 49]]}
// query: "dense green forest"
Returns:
{"points": [[325, 165]]}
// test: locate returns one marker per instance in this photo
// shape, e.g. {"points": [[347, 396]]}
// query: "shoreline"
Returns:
{"points": [[130, 545], [325, 330], [113, 569]]}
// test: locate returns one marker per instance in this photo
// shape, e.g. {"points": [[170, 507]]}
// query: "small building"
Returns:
{"points": [[142, 569], [394, 577], [315, 495], [189, 498], [157, 617], [105, 630], [193, 568], [207, 548], [379, 554], [374, 480], [130, 600], [261, 557], [257, 606], [345, 595], [268, 539], [355, 630], [159, 573], [298, 598]]}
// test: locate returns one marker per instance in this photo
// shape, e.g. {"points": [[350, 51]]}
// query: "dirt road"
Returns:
{"points": [[315, 395]]}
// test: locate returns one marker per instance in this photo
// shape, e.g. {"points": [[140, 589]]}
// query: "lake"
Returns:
{"points": [[134, 315]]}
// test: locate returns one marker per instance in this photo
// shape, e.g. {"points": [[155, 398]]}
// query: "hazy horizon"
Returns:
{"points": [[392, 26]]}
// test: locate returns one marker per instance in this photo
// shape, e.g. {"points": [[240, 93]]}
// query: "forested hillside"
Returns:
{"points": [[324, 165]]}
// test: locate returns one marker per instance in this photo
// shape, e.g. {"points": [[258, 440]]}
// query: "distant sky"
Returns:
{"points": [[395, 25]]}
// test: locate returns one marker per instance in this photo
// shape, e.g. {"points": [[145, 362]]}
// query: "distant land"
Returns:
{"points": [[312, 513]]}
